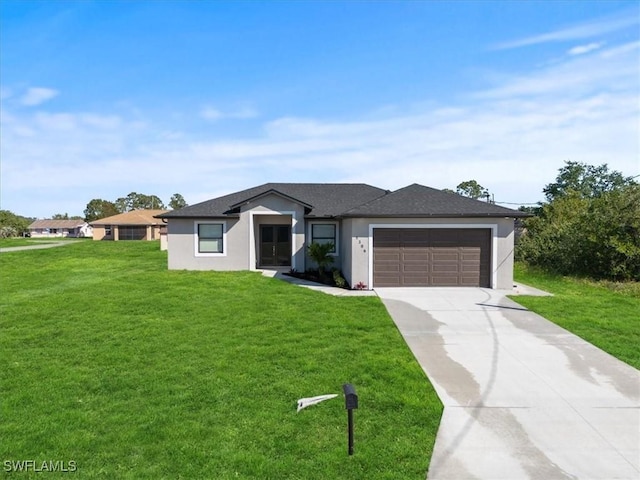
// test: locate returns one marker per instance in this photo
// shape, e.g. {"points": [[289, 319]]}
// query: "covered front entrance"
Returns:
{"points": [[275, 245]]}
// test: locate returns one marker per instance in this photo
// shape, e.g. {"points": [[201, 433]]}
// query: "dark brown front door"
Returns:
{"points": [[275, 245]]}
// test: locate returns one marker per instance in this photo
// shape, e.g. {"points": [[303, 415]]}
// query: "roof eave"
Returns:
{"points": [[174, 217], [435, 215], [271, 191]]}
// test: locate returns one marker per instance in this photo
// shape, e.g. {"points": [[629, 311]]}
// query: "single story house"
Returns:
{"points": [[133, 225], [414, 236], [59, 228]]}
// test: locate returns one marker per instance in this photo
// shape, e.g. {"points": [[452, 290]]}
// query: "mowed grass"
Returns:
{"points": [[133, 371], [605, 314], [24, 242]]}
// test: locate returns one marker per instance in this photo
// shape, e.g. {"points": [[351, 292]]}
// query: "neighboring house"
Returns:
{"points": [[59, 228], [414, 236], [133, 225]]}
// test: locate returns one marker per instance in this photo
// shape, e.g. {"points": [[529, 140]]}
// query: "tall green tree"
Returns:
{"points": [[472, 189], [60, 216], [587, 181], [177, 201], [612, 233], [12, 225], [99, 208], [590, 226], [139, 201]]}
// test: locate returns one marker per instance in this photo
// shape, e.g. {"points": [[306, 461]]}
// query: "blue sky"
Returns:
{"points": [[202, 98]]}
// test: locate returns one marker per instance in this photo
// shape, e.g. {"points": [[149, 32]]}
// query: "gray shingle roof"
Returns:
{"points": [[353, 200], [324, 199], [419, 201]]}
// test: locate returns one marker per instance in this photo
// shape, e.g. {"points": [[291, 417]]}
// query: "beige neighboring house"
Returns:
{"points": [[59, 228], [134, 225]]}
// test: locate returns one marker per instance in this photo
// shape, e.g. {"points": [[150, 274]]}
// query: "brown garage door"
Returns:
{"points": [[431, 257]]}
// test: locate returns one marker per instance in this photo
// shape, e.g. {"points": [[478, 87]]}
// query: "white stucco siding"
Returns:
{"points": [[361, 244], [182, 241], [346, 254], [241, 240]]}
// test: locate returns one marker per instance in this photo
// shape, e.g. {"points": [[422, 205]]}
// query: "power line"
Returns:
{"points": [[518, 203]]}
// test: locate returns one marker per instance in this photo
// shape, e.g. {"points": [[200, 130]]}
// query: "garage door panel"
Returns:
{"points": [[390, 238], [416, 268], [415, 241], [445, 256], [448, 281], [389, 267], [431, 257], [409, 257], [412, 235], [445, 268], [470, 269], [387, 257], [415, 281]]}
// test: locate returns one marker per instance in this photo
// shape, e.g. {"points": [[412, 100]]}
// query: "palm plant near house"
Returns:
{"points": [[321, 254]]}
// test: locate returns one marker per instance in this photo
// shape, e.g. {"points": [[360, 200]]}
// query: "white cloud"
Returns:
{"points": [[210, 113], [613, 68], [242, 112], [591, 29], [582, 49], [622, 49], [38, 95]]}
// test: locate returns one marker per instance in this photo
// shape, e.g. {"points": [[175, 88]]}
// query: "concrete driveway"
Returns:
{"points": [[524, 399]]}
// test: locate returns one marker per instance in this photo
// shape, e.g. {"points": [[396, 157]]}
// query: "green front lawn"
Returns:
{"points": [[25, 242], [605, 314], [133, 371], [21, 242]]}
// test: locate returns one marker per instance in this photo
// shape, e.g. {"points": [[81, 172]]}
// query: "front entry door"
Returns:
{"points": [[275, 245]]}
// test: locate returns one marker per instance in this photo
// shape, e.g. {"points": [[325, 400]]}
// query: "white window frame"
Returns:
{"points": [[326, 222], [196, 238]]}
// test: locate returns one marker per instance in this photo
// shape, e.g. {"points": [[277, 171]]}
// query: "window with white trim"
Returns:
{"points": [[324, 233], [210, 238]]}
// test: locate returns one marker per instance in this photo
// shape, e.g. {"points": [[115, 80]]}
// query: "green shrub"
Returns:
{"points": [[338, 279], [597, 237], [321, 254]]}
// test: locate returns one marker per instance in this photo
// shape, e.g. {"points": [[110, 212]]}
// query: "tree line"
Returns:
{"points": [[12, 225], [589, 224], [99, 208]]}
